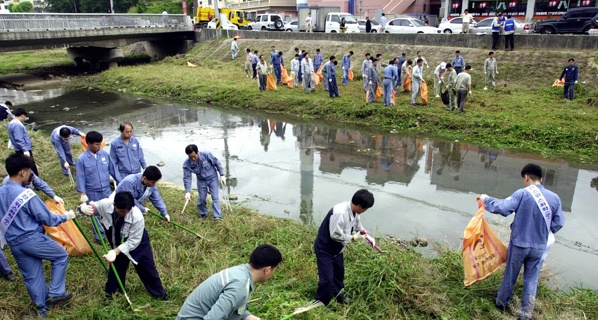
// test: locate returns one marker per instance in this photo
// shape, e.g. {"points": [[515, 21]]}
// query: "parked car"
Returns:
{"points": [[576, 20], [375, 26], [292, 26], [454, 25], [333, 20], [594, 24], [267, 21], [409, 25], [485, 26], [224, 25]]}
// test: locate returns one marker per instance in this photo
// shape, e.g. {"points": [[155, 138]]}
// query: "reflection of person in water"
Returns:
{"points": [[488, 156], [279, 129], [594, 183], [265, 134], [331, 142], [450, 153], [387, 158]]}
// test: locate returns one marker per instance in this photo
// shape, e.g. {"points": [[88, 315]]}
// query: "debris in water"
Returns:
{"points": [[31, 112], [161, 164], [233, 197], [66, 109], [51, 107]]}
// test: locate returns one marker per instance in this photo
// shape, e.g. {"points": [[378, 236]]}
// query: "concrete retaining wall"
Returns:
{"points": [[531, 41]]}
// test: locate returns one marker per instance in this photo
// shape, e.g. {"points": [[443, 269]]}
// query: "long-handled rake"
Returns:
{"points": [[226, 200], [176, 224], [311, 305], [183, 211], [90, 245], [71, 176]]}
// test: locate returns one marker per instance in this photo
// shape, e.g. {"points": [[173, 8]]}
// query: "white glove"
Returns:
{"points": [[83, 198], [187, 196], [66, 165], [343, 68], [329, 80], [167, 218], [496, 72], [358, 236], [87, 209], [370, 82], [58, 199], [370, 240], [145, 210], [110, 256], [484, 72], [222, 181], [483, 197], [27, 153], [575, 82], [70, 215]]}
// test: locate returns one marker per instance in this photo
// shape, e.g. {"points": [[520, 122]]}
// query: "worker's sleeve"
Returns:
{"points": [[41, 214], [18, 134], [217, 164], [558, 218], [485, 66], [75, 131], [80, 174], [59, 149], [135, 235], [504, 207], [157, 201], [358, 225], [463, 60], [141, 157], [114, 172], [41, 185], [187, 177], [113, 156], [232, 297], [576, 74], [496, 66], [102, 207], [563, 73], [127, 186], [337, 220]]}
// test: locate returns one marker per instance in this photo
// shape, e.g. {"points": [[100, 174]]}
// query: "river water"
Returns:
{"points": [[423, 186]]}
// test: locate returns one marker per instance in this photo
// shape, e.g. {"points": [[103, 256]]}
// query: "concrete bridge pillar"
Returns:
{"points": [[95, 56], [162, 48]]}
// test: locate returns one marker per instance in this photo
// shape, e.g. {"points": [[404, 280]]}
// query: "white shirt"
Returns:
{"points": [[295, 65], [307, 66], [466, 17], [308, 21], [234, 46], [417, 73], [383, 21]]}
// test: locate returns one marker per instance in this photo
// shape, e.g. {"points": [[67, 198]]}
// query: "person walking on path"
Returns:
{"points": [[416, 81], [365, 65], [124, 226], [60, 139], [458, 62], [496, 26], [373, 78], [308, 74], [438, 74], [538, 216], [210, 174], [19, 137], [390, 75], [570, 75], [368, 25], [510, 28], [490, 69], [341, 225], [463, 87], [234, 48], [126, 152], [466, 16], [23, 216], [143, 187], [226, 294], [308, 23], [331, 77], [382, 23], [346, 66], [450, 86], [262, 72]]}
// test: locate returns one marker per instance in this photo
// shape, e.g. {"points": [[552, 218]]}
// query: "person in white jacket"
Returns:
{"points": [[234, 48], [307, 66], [124, 226], [295, 70]]}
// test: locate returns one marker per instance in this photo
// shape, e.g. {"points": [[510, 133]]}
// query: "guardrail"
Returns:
{"points": [[74, 21]]}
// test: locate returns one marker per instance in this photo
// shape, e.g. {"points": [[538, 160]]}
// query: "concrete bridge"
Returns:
{"points": [[96, 37]]}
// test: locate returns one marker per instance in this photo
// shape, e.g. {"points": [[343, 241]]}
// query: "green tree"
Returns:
{"points": [[25, 6]]}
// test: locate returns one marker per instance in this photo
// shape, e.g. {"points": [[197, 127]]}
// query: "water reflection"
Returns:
{"points": [[423, 186]]}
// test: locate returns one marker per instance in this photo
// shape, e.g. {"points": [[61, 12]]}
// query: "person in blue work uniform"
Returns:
{"points": [[94, 168], [341, 225], [5, 112], [373, 78], [299, 54], [390, 75], [124, 226], [275, 63], [346, 66], [318, 60], [60, 140], [458, 62], [126, 152], [210, 174], [19, 138], [538, 215], [510, 28], [496, 26], [570, 75], [254, 60], [23, 215], [331, 77], [143, 187], [225, 295]]}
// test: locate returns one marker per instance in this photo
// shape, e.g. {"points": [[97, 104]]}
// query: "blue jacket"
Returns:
{"points": [[32, 217], [255, 58], [93, 172], [570, 74], [132, 183], [346, 62], [458, 61], [528, 229], [510, 25], [318, 60], [128, 158], [57, 140], [38, 184], [390, 72], [18, 136], [274, 57], [208, 168]]}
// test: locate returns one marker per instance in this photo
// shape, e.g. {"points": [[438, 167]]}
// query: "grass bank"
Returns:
{"points": [[524, 112], [401, 284]]}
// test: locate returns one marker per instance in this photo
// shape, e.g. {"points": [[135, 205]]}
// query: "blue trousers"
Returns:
{"points": [[387, 92], [396, 83], [331, 275], [254, 67], [277, 72], [4, 267], [333, 88], [531, 260], [28, 254], [569, 90], [97, 196], [458, 69], [345, 76], [66, 146], [202, 188]]}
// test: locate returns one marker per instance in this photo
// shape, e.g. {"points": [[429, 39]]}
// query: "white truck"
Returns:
{"points": [[327, 19]]}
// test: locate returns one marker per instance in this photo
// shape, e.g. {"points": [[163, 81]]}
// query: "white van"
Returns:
{"points": [[333, 20]]}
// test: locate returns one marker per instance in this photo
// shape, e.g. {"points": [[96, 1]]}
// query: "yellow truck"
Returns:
{"points": [[206, 14]]}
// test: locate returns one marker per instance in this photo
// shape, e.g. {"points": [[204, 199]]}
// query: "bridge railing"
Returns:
{"points": [[75, 21]]}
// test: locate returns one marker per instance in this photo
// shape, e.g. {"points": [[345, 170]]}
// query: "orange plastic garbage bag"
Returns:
{"points": [[316, 79], [66, 234], [351, 75], [379, 92], [84, 144], [392, 97], [423, 92], [558, 83], [483, 252], [271, 83], [407, 85], [284, 75], [319, 73], [291, 82]]}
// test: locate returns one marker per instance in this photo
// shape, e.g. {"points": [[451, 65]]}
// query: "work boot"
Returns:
{"points": [[52, 300], [203, 218], [343, 300], [42, 311], [10, 277]]}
